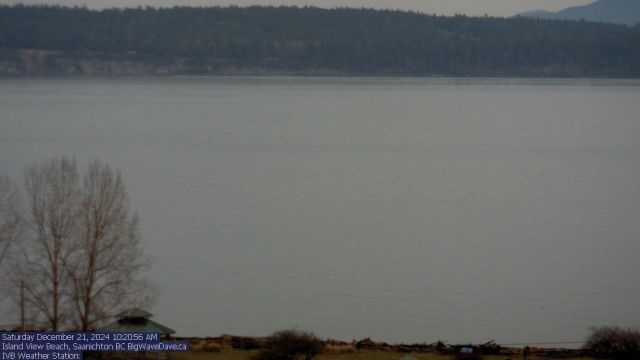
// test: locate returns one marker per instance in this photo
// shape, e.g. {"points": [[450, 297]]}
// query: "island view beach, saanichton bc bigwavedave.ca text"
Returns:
{"points": [[70, 346]]}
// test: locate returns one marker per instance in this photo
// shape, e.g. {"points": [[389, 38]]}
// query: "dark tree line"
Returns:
{"points": [[353, 41]]}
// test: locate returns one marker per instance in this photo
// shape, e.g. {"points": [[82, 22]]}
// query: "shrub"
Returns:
{"points": [[614, 343], [290, 345]]}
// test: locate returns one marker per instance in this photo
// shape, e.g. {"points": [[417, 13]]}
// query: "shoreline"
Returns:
{"points": [[53, 63], [248, 343]]}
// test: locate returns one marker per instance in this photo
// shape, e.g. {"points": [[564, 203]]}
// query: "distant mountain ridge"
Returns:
{"points": [[612, 11]]}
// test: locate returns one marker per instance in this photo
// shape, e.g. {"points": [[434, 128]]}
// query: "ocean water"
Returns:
{"points": [[405, 210]]}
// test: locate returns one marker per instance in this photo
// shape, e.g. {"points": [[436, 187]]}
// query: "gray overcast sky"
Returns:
{"points": [[470, 7]]}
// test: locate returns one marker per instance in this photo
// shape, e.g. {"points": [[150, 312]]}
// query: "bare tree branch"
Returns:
{"points": [[53, 189], [50, 215], [9, 215], [80, 257], [109, 256]]}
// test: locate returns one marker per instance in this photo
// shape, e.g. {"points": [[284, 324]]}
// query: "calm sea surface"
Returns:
{"points": [[398, 209]]}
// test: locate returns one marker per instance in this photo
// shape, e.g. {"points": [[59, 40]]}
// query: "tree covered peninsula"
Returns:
{"points": [[307, 41]]}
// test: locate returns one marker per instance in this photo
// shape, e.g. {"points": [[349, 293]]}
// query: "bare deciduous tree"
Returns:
{"points": [[105, 268], [9, 215], [79, 257], [52, 194]]}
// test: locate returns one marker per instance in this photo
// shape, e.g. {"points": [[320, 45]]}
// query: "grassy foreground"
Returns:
{"points": [[361, 355]]}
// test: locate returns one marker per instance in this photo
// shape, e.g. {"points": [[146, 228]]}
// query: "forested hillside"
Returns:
{"points": [[312, 40]]}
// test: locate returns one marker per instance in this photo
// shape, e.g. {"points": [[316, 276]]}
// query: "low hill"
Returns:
{"points": [[611, 11], [307, 41]]}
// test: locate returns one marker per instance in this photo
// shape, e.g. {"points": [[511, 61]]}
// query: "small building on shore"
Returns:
{"points": [[136, 320]]}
